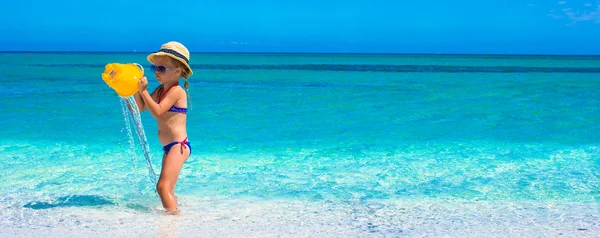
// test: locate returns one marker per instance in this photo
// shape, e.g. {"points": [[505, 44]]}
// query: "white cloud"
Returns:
{"points": [[233, 42], [554, 16], [562, 2], [586, 16], [578, 15]]}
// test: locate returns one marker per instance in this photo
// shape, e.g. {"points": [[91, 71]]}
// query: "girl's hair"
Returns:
{"points": [[184, 75]]}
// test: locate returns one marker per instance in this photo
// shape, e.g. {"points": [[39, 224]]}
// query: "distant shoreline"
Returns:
{"points": [[301, 53]]}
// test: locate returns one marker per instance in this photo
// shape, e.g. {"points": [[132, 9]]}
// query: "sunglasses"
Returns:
{"points": [[160, 69]]}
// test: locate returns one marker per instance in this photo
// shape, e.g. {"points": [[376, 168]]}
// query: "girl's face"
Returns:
{"points": [[165, 71]]}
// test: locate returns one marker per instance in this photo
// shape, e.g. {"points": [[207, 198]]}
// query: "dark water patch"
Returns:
{"points": [[280, 84], [138, 207], [71, 201], [318, 85], [69, 65], [401, 68], [369, 68]]}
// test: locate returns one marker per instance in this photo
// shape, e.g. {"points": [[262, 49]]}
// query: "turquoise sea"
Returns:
{"points": [[310, 145]]}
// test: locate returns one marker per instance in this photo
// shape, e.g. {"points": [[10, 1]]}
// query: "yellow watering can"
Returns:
{"points": [[123, 78]]}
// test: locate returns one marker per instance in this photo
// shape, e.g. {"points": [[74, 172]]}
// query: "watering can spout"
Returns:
{"points": [[123, 78]]}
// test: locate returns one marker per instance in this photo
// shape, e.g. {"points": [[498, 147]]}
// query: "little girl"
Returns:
{"points": [[168, 104]]}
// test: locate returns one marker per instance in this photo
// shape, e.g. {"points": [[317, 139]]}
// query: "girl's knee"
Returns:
{"points": [[163, 187]]}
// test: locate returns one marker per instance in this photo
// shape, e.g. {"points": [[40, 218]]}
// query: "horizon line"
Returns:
{"points": [[306, 53]]}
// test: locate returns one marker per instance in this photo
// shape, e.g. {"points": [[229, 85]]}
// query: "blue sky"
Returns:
{"points": [[425, 26]]}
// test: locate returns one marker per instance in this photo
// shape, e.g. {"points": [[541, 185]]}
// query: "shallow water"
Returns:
{"points": [[310, 145]]}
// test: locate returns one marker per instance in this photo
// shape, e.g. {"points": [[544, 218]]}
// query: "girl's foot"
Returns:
{"points": [[174, 212]]}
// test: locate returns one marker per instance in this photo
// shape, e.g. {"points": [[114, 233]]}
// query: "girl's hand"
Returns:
{"points": [[143, 84]]}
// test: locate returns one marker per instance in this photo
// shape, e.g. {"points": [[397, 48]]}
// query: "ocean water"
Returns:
{"points": [[310, 145]]}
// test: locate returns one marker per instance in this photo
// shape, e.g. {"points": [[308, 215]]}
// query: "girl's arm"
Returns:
{"points": [[140, 102], [157, 109]]}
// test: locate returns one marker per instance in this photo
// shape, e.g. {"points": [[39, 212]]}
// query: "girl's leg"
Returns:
{"points": [[173, 190], [171, 166]]}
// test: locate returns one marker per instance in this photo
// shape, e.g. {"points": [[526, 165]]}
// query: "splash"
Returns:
{"points": [[132, 117]]}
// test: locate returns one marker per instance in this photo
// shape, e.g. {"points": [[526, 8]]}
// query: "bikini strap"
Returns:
{"points": [[183, 145], [161, 94]]}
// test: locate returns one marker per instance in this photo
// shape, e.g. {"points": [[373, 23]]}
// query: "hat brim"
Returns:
{"points": [[150, 59]]}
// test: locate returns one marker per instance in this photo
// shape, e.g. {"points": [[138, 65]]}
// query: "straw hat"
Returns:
{"points": [[176, 51]]}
